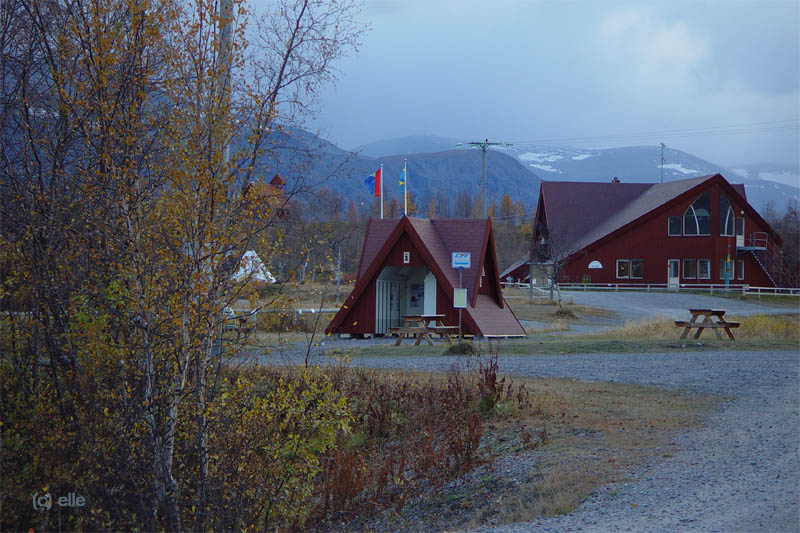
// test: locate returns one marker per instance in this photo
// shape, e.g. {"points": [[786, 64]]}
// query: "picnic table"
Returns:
{"points": [[419, 326], [711, 318]]}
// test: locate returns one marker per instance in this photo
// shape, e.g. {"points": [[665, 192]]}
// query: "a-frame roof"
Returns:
{"points": [[582, 214], [436, 239]]}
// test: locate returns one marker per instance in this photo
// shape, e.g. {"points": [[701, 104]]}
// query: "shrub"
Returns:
{"points": [[461, 347]]}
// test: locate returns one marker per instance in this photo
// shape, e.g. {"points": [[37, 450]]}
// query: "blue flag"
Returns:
{"points": [[373, 181], [402, 178]]}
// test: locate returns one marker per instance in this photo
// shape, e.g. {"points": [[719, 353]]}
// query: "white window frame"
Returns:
{"points": [[696, 220], [707, 262], [739, 269], [722, 269], [680, 226], [406, 258], [736, 226], [730, 213]]}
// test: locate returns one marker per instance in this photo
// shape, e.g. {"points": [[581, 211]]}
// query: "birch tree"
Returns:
{"points": [[130, 130]]}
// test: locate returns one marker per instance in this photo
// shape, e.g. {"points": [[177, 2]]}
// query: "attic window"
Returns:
{"points": [[726, 217], [483, 273], [406, 258], [697, 219]]}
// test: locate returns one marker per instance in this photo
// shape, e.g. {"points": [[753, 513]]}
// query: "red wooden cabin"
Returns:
{"points": [[405, 269], [676, 233]]}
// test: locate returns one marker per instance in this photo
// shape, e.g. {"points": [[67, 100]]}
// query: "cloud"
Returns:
{"points": [[652, 52]]}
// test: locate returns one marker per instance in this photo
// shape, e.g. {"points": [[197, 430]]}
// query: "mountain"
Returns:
{"points": [[294, 152], [413, 144], [786, 174], [763, 182]]}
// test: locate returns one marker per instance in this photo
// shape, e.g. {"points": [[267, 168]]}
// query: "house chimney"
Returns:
{"points": [[615, 180]]}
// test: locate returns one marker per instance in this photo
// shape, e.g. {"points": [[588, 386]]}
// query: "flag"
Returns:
{"points": [[373, 181], [402, 180]]}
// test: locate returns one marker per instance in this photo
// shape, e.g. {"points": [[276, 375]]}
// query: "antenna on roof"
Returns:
{"points": [[483, 145], [662, 162]]}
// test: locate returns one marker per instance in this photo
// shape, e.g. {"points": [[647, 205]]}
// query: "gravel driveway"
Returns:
{"points": [[739, 472], [674, 305]]}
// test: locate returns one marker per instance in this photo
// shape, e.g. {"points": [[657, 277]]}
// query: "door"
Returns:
{"points": [[739, 232], [673, 273], [429, 307], [387, 306]]}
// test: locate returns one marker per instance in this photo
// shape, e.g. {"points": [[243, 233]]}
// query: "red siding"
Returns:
{"points": [[649, 241]]}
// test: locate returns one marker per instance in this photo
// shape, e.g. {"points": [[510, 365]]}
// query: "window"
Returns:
{"points": [[726, 217], [697, 219], [406, 257], [690, 268], [636, 268], [740, 226], [739, 269], [674, 226], [722, 263], [623, 268], [703, 269]]}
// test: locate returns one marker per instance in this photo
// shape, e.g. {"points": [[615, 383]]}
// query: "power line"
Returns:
{"points": [[731, 129], [483, 145]]}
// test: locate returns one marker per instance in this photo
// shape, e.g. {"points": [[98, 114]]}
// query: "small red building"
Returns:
{"points": [[681, 232], [405, 269]]}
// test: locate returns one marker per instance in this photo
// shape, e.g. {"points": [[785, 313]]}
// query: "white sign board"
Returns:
{"points": [[460, 298], [460, 260]]}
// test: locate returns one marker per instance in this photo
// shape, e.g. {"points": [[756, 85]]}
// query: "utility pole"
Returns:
{"points": [[662, 162], [483, 145]]}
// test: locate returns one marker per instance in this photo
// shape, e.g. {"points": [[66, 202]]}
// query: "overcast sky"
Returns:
{"points": [[688, 73]]}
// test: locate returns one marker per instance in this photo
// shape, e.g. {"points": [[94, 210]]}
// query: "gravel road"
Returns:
{"points": [[739, 472]]}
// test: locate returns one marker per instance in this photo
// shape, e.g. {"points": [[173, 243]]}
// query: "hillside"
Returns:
{"points": [[763, 182], [297, 153]]}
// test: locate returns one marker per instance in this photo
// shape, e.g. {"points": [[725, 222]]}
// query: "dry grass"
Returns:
{"points": [[544, 311], [757, 327], [598, 432], [595, 434]]}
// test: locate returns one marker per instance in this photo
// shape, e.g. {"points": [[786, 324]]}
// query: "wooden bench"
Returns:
{"points": [[708, 321], [420, 327], [417, 331]]}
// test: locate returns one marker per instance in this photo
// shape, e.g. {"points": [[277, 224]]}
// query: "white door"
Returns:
{"points": [[673, 273], [387, 306], [429, 307]]}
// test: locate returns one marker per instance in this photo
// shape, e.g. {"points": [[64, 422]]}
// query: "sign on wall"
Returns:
{"points": [[460, 260]]}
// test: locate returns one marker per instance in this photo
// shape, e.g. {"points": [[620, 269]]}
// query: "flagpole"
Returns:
{"points": [[405, 187], [381, 178]]}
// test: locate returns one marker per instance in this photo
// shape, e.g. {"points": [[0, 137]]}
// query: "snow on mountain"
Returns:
{"points": [[763, 182], [679, 168]]}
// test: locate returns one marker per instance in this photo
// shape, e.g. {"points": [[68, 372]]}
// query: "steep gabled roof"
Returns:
{"points": [[436, 240], [442, 237], [581, 214]]}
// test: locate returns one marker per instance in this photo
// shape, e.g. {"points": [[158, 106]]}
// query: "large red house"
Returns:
{"points": [[693, 231], [405, 269]]}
